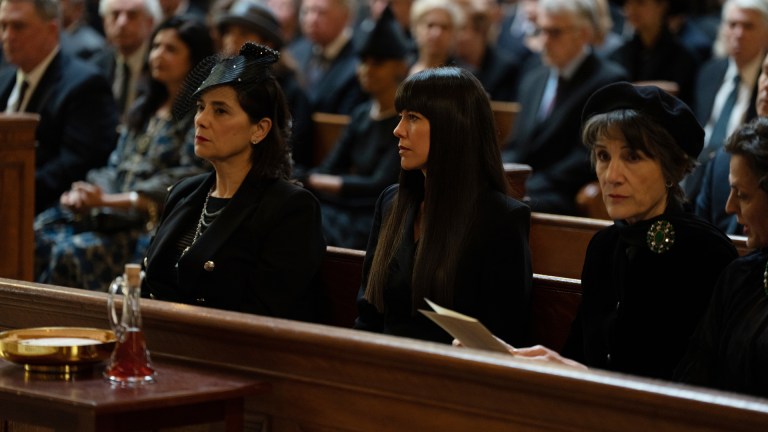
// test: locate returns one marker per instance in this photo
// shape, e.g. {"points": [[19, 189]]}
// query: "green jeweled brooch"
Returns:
{"points": [[661, 236]]}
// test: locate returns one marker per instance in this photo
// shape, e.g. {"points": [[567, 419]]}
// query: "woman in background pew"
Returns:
{"points": [[447, 231], [730, 347], [647, 279]]}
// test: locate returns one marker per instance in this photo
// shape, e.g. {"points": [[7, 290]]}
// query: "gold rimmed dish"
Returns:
{"points": [[57, 349]]}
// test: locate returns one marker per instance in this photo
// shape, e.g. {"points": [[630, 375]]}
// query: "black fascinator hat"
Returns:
{"points": [[251, 67]]}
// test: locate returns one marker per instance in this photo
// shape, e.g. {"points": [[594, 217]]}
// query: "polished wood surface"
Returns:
{"points": [[17, 195], [327, 129], [517, 175], [505, 115], [331, 379], [182, 395]]}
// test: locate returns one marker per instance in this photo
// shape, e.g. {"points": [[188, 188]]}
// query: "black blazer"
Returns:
{"points": [[77, 129], [260, 255], [338, 91], [493, 280], [553, 147]]}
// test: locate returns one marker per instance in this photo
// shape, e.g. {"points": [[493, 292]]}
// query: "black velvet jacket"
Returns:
{"points": [[640, 307]]}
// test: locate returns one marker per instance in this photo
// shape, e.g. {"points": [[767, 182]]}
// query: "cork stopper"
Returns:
{"points": [[133, 274]]}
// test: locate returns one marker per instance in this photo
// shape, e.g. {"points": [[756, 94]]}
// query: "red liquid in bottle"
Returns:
{"points": [[130, 360]]}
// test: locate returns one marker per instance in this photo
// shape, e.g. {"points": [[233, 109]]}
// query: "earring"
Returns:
{"points": [[254, 142], [668, 184]]}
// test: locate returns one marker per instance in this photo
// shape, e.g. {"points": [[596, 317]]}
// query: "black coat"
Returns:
{"points": [[639, 307], [729, 350], [260, 255], [77, 129], [553, 147], [493, 281]]}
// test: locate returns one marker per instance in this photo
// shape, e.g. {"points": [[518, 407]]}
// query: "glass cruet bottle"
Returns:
{"points": [[130, 363]]}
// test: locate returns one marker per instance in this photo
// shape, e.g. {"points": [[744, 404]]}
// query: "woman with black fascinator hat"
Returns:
{"points": [[243, 237]]}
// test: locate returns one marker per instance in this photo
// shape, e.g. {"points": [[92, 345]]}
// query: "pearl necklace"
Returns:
{"points": [[201, 221], [765, 278]]}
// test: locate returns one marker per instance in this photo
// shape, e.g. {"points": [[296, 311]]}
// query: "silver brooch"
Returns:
{"points": [[661, 236]]}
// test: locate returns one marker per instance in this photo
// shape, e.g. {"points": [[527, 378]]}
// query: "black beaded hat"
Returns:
{"points": [[255, 17], [670, 112], [382, 39], [249, 68]]}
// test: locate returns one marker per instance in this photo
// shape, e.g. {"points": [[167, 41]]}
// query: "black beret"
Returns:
{"points": [[255, 17], [668, 111], [383, 39]]}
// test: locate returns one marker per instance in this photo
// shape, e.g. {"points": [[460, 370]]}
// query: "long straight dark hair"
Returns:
{"points": [[464, 160]]}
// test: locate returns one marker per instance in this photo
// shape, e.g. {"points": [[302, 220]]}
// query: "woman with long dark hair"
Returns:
{"points": [[447, 231]]}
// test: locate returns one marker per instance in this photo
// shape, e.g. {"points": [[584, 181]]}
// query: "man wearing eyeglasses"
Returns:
{"points": [[552, 96]]}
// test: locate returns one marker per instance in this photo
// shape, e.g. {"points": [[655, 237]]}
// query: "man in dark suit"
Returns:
{"points": [[128, 25], [547, 135], [326, 56], [715, 186], [77, 112], [726, 87]]}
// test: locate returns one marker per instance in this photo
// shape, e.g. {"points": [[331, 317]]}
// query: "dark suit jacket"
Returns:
{"points": [[338, 91], [553, 147], [264, 249], [713, 194], [77, 128], [708, 82], [493, 280]]}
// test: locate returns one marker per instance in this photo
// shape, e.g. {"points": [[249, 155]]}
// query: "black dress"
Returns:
{"points": [[493, 278], [640, 307], [729, 350]]}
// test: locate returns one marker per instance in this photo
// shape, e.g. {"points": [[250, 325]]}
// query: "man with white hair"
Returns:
{"points": [[128, 25], [547, 135], [726, 88], [326, 55]]}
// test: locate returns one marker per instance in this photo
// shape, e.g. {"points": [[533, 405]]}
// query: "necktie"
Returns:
{"points": [[22, 93], [318, 65], [124, 80], [720, 130], [550, 98]]}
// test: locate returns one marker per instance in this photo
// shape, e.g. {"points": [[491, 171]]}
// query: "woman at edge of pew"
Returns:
{"points": [[647, 280], [730, 346], [447, 231]]}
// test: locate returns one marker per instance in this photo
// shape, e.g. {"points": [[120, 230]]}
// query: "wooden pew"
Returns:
{"points": [[559, 243], [17, 195], [326, 129], [505, 114], [330, 379], [555, 299]]}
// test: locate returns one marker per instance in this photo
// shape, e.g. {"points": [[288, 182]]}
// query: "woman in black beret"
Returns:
{"points": [[730, 348], [243, 237], [648, 278]]}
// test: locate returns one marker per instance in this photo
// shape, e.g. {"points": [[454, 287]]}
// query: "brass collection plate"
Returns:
{"points": [[57, 349]]}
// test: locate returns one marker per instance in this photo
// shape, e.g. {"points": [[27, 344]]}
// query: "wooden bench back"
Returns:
{"points": [[323, 378], [17, 195], [326, 130], [555, 300], [505, 115]]}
